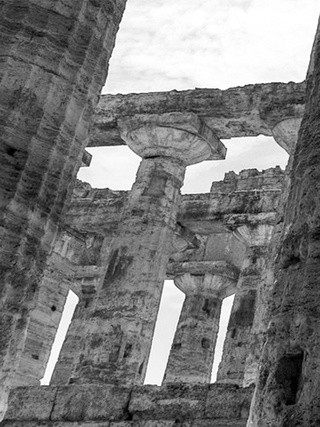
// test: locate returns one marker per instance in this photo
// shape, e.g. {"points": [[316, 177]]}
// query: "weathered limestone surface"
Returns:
{"points": [[54, 57], [183, 404], [97, 213], [288, 388], [119, 334], [192, 350], [242, 351], [54, 60], [241, 111], [238, 339]]}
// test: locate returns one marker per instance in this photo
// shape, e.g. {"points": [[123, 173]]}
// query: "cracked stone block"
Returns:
{"points": [[56, 424], [94, 402], [172, 401], [30, 403], [228, 401]]}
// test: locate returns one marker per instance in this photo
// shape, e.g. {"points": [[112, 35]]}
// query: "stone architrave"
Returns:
{"points": [[119, 335], [54, 62], [238, 344], [192, 351]]}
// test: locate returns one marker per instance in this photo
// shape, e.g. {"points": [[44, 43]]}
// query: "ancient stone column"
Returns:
{"points": [[192, 351], [54, 62], [287, 392], [87, 280], [238, 343], [120, 332]]}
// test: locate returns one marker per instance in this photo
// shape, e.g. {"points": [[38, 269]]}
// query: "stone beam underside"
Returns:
{"points": [[236, 112]]}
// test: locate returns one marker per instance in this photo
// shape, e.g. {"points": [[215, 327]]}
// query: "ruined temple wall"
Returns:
{"points": [[287, 390], [148, 406], [96, 212]]}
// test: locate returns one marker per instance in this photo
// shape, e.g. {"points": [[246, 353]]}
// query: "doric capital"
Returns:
{"points": [[252, 229], [217, 278], [182, 136], [285, 133], [258, 235]]}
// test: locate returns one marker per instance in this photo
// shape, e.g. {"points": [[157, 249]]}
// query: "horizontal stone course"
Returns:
{"points": [[172, 401], [147, 423], [174, 404]]}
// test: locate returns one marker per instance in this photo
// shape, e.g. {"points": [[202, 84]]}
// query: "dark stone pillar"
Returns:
{"points": [[287, 392], [54, 61]]}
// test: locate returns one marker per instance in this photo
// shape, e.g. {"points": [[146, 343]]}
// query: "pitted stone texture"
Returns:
{"points": [[54, 62], [119, 334], [222, 269], [289, 381], [251, 193], [97, 406], [57, 280], [170, 401], [240, 111], [31, 403], [228, 401], [237, 342], [207, 213], [185, 401], [182, 136], [250, 180], [191, 356], [83, 403], [62, 424], [72, 403], [146, 423], [286, 133]]}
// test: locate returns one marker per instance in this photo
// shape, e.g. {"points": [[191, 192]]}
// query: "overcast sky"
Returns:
{"points": [[183, 44]]}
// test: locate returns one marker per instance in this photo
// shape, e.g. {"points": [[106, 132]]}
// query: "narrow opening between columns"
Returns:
{"points": [[69, 307], [223, 325], [168, 316], [116, 167], [261, 153]]}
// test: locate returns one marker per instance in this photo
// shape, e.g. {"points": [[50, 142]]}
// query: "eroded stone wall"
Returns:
{"points": [[54, 61], [215, 405], [287, 390]]}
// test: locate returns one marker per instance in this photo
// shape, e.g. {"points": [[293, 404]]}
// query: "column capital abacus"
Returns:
{"points": [[216, 278], [182, 136]]}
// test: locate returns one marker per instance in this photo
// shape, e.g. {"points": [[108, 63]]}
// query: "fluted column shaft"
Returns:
{"points": [[119, 336], [192, 351], [54, 61], [238, 343]]}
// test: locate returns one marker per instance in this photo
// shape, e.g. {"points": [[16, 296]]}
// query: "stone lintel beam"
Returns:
{"points": [[181, 136], [240, 111], [209, 213], [227, 273], [233, 221]]}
